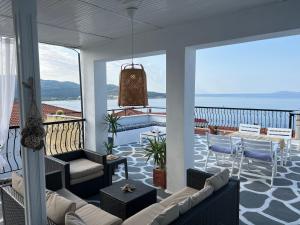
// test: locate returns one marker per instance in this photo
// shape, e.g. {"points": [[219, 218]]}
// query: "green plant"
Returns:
{"points": [[157, 151], [111, 121], [109, 148], [60, 112]]}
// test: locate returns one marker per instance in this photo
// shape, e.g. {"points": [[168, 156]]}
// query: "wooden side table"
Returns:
{"points": [[113, 164]]}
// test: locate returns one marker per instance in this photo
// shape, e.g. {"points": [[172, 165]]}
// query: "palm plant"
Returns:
{"points": [[109, 148], [111, 121], [157, 151]]}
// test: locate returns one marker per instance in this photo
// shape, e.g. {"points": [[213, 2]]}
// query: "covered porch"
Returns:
{"points": [[99, 30]]}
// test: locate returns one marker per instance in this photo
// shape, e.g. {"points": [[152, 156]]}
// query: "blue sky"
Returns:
{"points": [[254, 67]]}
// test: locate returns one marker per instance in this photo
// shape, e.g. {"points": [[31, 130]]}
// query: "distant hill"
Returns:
{"points": [[65, 90]]}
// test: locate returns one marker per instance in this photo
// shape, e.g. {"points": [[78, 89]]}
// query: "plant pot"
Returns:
{"points": [[159, 178], [213, 130]]}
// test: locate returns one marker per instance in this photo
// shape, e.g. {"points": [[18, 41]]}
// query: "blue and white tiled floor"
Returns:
{"points": [[259, 204]]}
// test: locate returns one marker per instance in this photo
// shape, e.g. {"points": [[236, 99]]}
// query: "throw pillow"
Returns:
{"points": [[17, 183], [185, 205], [201, 195], [218, 180], [168, 215], [57, 207], [72, 218]]}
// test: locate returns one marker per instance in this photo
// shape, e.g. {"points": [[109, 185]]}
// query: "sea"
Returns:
{"points": [[209, 101]]}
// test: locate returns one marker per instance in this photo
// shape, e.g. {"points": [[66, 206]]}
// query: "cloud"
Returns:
{"points": [[58, 63], [155, 67]]}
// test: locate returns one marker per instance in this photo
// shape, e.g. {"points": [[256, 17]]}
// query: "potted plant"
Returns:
{"points": [[157, 151], [109, 148], [112, 121]]}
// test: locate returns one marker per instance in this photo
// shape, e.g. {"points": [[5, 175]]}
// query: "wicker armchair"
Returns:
{"points": [[89, 183], [13, 202]]}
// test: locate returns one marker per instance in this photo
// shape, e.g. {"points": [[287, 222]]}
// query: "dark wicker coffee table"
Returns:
{"points": [[125, 204]]}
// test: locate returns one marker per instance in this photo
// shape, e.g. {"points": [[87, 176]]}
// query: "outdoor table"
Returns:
{"points": [[125, 204], [151, 134], [113, 164], [277, 141]]}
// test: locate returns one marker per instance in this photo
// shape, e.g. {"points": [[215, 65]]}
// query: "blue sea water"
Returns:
{"points": [[238, 102]]}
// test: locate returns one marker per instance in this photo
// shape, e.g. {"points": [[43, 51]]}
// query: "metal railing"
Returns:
{"points": [[68, 135], [232, 117], [128, 111], [226, 117], [61, 136]]}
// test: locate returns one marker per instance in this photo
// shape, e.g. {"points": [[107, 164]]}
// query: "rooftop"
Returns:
{"points": [[46, 110]]}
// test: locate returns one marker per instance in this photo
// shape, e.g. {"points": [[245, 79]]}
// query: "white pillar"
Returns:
{"points": [[180, 82], [94, 102], [28, 67]]}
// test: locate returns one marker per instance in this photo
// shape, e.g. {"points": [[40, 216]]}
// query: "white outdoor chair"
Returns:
{"points": [[261, 151], [249, 129], [284, 133], [220, 145]]}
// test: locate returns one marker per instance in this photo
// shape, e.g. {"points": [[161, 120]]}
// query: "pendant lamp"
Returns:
{"points": [[133, 81]]}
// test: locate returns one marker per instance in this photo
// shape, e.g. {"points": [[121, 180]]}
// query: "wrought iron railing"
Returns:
{"points": [[64, 136], [232, 117], [68, 135], [61, 136]]}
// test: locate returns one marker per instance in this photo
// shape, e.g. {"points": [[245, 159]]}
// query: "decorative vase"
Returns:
{"points": [[160, 178]]}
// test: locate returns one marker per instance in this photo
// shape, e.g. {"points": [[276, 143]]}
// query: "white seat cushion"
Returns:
{"points": [[58, 206], [178, 198], [93, 215], [218, 180], [83, 169], [17, 183], [199, 196], [74, 198], [167, 216], [73, 219], [147, 215]]}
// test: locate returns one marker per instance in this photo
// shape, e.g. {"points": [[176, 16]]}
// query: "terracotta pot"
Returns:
{"points": [[159, 178], [213, 130]]}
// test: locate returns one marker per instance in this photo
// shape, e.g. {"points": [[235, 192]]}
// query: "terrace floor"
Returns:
{"points": [[259, 204]]}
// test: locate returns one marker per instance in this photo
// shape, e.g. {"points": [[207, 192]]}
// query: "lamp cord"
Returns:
{"points": [[132, 41]]}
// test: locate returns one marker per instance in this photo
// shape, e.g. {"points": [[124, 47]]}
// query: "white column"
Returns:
{"points": [[94, 102], [28, 67], [180, 81]]}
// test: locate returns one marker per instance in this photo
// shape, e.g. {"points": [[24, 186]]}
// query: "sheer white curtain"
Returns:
{"points": [[7, 87]]}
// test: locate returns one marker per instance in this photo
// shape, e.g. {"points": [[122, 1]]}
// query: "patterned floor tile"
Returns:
{"points": [[259, 204]]}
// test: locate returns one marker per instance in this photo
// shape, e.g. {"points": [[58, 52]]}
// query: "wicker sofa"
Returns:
{"points": [[84, 172], [14, 213], [220, 208]]}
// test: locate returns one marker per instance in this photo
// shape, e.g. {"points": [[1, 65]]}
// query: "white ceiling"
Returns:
{"points": [[77, 22]]}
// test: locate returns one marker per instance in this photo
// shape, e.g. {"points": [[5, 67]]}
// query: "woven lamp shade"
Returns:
{"points": [[133, 86]]}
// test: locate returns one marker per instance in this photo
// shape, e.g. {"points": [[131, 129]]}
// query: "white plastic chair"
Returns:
{"points": [[284, 133], [258, 150], [249, 129], [220, 144]]}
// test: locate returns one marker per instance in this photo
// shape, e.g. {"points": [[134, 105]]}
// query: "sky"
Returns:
{"points": [[254, 67]]}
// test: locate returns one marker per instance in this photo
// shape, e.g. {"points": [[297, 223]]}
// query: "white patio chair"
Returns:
{"points": [[284, 133], [249, 129], [221, 145], [261, 151]]}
